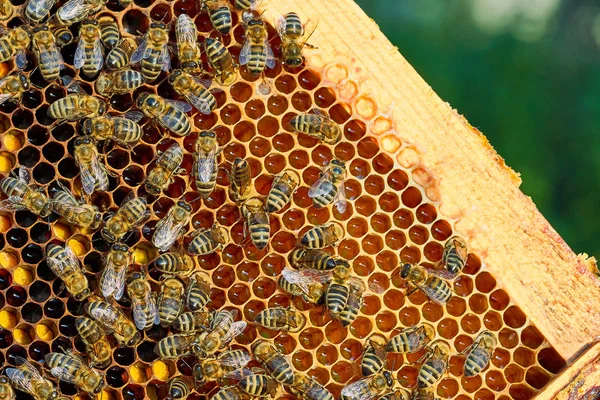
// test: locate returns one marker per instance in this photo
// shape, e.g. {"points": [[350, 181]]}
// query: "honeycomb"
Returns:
{"points": [[391, 217]]}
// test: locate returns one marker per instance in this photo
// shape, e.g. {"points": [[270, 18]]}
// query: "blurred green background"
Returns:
{"points": [[527, 74]]}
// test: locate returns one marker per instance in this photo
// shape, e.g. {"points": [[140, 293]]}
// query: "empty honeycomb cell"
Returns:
{"points": [[17, 237], [521, 392], [66, 326], [22, 119], [54, 308], [342, 371], [29, 156]]}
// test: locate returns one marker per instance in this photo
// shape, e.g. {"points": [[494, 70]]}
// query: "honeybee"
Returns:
{"points": [[207, 240], [169, 114], [65, 264], [198, 292], [192, 321], [423, 394], [412, 339], [309, 389], [319, 126], [75, 107], [323, 235], [220, 59], [160, 177], [257, 221], [119, 56], [329, 188], [113, 321], [188, 49], [206, 163], [49, 59], [109, 31], [220, 15], [143, 304], [273, 361], [96, 344], [13, 86], [230, 393], [61, 33], [170, 301], [178, 388], [112, 281], [241, 182], [76, 212], [14, 43], [246, 4], [215, 369], [94, 175], [74, 11], [28, 379], [479, 353], [175, 346], [282, 190], [256, 51], [194, 90], [37, 10], [6, 390], [172, 226], [436, 363], [132, 213], [353, 306], [6, 11], [118, 82], [257, 384], [281, 319], [338, 291], [71, 368], [316, 259], [455, 255], [374, 355], [398, 394], [293, 39], [88, 54], [223, 330], [122, 130], [433, 286], [153, 51], [175, 263], [309, 282], [369, 387], [23, 196]]}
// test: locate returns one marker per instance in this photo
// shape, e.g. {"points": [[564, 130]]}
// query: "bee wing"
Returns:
{"points": [[259, 216], [97, 56], [13, 203], [4, 97], [79, 58], [229, 359], [271, 60], [185, 30], [180, 105], [235, 329], [200, 104], [24, 174], [139, 316], [339, 201], [112, 281], [20, 380], [431, 294], [165, 59], [359, 390], [135, 116], [239, 374], [166, 234], [206, 165], [320, 187], [139, 53], [63, 374], [441, 273], [281, 25], [21, 59], [25, 364], [306, 277], [71, 9], [88, 177], [71, 200], [50, 55], [104, 316], [99, 170], [245, 53]]}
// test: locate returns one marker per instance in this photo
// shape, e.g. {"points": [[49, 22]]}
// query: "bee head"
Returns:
{"points": [[25, 83], [388, 378], [405, 271], [134, 339], [338, 167], [99, 386], [176, 73], [107, 235], [152, 189], [119, 247], [3, 379], [87, 126], [40, 28], [158, 25], [83, 140], [101, 106], [294, 61], [209, 134], [199, 374], [184, 205], [141, 99]]}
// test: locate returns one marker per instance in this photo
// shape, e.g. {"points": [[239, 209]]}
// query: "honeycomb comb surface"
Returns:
{"points": [[389, 219]]}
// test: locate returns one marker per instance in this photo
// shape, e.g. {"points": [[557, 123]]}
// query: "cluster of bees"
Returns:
{"points": [[317, 276]]}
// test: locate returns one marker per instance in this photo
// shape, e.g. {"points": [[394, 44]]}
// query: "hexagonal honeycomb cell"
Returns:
{"points": [[391, 218]]}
